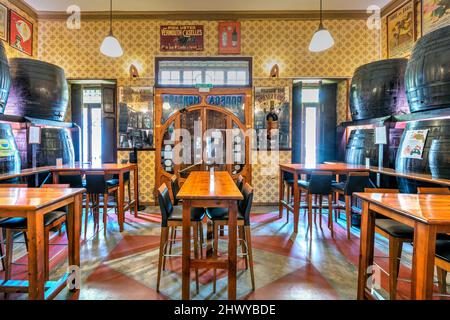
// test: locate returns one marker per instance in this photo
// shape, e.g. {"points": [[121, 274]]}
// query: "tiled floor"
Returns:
{"points": [[124, 266]]}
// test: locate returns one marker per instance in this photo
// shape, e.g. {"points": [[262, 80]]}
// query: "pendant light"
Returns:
{"points": [[322, 39], [110, 46]]}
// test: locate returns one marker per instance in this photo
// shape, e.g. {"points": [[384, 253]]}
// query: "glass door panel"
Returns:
{"points": [[216, 140]]}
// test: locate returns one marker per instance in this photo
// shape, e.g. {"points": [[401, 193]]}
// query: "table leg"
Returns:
{"points": [[296, 203], [55, 177], [136, 195], [366, 250], [121, 201], [232, 249], [74, 229], [186, 250], [281, 193], [36, 278], [423, 261]]}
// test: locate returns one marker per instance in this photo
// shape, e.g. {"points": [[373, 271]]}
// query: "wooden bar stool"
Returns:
{"points": [[442, 260], [318, 185], [172, 217], [219, 217], [356, 182], [97, 187]]}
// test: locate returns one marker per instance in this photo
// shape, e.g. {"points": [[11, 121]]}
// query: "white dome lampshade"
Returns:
{"points": [[322, 39], [111, 47]]}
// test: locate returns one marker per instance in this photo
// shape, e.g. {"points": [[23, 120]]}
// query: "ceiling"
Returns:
{"points": [[203, 5]]}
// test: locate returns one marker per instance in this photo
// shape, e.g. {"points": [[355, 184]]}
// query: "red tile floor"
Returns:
{"points": [[124, 266]]}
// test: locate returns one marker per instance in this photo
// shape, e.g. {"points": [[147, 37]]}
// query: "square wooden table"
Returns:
{"points": [[201, 190], [109, 168], [428, 214], [33, 204], [298, 169]]}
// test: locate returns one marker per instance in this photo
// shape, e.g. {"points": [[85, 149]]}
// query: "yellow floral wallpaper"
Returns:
{"points": [[267, 41], [12, 52]]}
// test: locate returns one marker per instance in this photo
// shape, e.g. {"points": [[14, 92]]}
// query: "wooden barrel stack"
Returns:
{"points": [[428, 72], [38, 90], [5, 78], [378, 90]]}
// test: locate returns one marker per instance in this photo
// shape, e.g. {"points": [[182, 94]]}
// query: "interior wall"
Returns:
{"points": [[267, 41]]}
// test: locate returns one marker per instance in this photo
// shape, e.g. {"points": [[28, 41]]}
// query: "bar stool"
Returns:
{"points": [[319, 185], [356, 182], [96, 186], [442, 260], [219, 217], [126, 180], [172, 217], [11, 225]]}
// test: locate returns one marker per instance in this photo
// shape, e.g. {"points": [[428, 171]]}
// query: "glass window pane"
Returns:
{"points": [[96, 135], [310, 95], [310, 136]]}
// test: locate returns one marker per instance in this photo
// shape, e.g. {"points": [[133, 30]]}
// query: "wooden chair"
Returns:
{"points": [[172, 217], [319, 185], [51, 220], [356, 182], [219, 216], [397, 234], [442, 260], [97, 187]]}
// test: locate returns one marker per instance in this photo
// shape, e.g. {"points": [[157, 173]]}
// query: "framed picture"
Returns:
{"points": [[20, 33], [401, 31], [435, 14], [3, 22], [181, 38], [272, 111], [229, 37]]}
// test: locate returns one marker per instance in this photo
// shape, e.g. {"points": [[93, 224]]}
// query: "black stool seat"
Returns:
{"points": [[443, 250], [21, 223], [112, 182], [303, 184], [221, 214], [338, 185], [197, 214], [395, 228]]}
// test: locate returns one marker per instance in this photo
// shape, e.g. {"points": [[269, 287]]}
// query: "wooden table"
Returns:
{"points": [[34, 204], [427, 214], [25, 173], [199, 190], [109, 168], [296, 170]]}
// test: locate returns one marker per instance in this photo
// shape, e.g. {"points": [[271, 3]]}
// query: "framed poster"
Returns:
{"points": [[414, 143], [400, 31], [3, 22], [435, 14], [181, 38], [20, 33], [229, 37], [272, 111]]}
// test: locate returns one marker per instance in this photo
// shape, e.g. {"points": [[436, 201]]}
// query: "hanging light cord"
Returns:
{"points": [[321, 14], [110, 16]]}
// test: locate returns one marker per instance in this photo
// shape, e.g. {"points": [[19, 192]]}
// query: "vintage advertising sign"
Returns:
{"points": [[436, 14], [400, 31], [229, 37], [20, 33], [414, 143], [181, 38]]}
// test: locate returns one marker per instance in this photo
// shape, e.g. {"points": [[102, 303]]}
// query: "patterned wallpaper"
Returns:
{"points": [[267, 41], [12, 52]]}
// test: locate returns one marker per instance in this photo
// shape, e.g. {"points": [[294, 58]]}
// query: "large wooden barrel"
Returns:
{"points": [[378, 90], [9, 155], [427, 77], [435, 154], [38, 90], [5, 78], [361, 145], [55, 143]]}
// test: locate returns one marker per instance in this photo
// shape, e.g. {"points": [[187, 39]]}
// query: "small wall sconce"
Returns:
{"points": [[275, 71], [134, 73]]}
